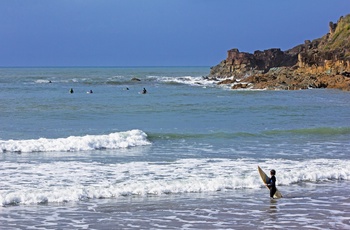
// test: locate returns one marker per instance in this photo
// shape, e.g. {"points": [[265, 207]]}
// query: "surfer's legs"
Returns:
{"points": [[272, 192]]}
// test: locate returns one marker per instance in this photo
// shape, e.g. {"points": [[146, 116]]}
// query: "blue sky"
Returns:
{"points": [[155, 32]]}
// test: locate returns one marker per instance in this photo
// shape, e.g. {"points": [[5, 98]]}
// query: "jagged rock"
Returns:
{"points": [[135, 79], [321, 63], [243, 85]]}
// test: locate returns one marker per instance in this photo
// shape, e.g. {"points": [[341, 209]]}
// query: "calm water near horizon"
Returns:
{"points": [[182, 156]]}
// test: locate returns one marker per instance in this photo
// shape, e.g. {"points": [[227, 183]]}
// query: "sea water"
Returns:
{"points": [[182, 156]]}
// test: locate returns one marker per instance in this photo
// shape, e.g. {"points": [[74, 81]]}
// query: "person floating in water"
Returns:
{"points": [[271, 184], [71, 90], [144, 91]]}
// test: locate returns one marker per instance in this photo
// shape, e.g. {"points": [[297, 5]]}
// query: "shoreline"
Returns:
{"points": [[245, 209]]}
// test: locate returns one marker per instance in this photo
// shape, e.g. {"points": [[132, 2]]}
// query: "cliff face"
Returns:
{"points": [[321, 63]]}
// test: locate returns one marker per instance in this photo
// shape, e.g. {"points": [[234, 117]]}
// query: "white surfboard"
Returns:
{"points": [[266, 179]]}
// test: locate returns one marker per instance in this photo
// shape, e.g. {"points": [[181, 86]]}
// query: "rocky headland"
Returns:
{"points": [[321, 63]]}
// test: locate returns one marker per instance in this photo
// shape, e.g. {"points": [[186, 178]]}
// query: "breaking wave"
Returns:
{"points": [[77, 143]]}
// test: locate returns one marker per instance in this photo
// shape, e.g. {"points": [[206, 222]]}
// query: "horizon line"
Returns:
{"points": [[92, 66]]}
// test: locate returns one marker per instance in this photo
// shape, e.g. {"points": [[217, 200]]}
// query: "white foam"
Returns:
{"points": [[41, 81], [77, 143], [27, 183], [188, 80]]}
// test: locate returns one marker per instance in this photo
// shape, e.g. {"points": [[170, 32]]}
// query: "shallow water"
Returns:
{"points": [[303, 206]]}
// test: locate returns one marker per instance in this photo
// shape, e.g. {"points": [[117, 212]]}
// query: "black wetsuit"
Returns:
{"points": [[272, 186]]}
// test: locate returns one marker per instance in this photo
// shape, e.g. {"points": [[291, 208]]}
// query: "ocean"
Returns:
{"points": [[182, 156]]}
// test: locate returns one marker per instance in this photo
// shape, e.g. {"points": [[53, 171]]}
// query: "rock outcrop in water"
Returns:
{"points": [[321, 63]]}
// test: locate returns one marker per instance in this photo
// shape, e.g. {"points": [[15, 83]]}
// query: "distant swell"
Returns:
{"points": [[177, 136], [77, 143], [312, 131], [322, 131]]}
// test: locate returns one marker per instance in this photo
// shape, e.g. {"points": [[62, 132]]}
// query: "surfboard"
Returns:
{"points": [[266, 179]]}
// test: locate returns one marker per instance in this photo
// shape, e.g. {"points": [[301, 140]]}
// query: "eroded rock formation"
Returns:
{"points": [[321, 63]]}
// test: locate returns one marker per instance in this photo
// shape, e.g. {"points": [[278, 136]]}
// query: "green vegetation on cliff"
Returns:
{"points": [[339, 39]]}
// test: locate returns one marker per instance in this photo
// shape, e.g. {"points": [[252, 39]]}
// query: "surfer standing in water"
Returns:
{"points": [[272, 183]]}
